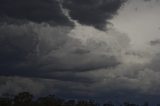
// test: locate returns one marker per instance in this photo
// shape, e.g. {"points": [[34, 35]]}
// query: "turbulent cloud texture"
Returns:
{"points": [[93, 12], [43, 48], [49, 51]]}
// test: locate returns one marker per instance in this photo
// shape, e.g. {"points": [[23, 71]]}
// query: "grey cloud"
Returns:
{"points": [[64, 89], [40, 50], [93, 12], [89, 12], [155, 42], [62, 58], [71, 65], [14, 85], [147, 0], [155, 63], [38, 11], [16, 43], [137, 78], [73, 61]]}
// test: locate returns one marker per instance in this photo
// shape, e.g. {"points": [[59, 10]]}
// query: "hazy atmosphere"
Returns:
{"points": [[98, 49]]}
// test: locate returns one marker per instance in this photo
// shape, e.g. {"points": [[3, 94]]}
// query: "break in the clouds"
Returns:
{"points": [[61, 47]]}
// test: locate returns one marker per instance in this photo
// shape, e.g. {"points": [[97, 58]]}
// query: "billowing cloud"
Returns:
{"points": [[155, 42], [80, 61], [89, 12], [93, 12], [39, 50]]}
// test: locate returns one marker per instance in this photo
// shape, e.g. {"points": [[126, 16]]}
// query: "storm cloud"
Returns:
{"points": [[39, 11], [83, 48], [38, 50], [155, 42], [88, 12], [93, 12]]}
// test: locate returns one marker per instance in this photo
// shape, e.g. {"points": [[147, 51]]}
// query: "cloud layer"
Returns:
{"points": [[44, 51], [93, 12], [37, 11]]}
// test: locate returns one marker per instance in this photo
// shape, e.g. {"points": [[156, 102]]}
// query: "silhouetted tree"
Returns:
{"points": [[146, 104], [23, 99], [26, 99], [49, 101], [108, 104], [86, 103], [70, 103], [130, 104], [5, 102]]}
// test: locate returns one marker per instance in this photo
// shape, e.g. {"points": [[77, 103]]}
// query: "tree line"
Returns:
{"points": [[26, 99]]}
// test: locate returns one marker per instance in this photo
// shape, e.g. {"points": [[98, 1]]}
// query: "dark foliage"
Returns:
{"points": [[26, 99]]}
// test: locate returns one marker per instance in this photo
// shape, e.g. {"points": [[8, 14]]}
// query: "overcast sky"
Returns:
{"points": [[81, 48]]}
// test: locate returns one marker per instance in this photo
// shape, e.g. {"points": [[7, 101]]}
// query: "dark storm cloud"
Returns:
{"points": [[33, 10], [16, 45], [40, 50], [88, 12], [155, 63], [93, 12], [155, 42], [80, 61], [147, 0]]}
